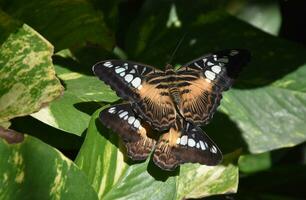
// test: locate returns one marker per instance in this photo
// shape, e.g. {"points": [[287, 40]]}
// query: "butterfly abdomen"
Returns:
{"points": [[175, 95]]}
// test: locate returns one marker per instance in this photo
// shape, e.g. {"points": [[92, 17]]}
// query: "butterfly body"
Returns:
{"points": [[173, 102]]}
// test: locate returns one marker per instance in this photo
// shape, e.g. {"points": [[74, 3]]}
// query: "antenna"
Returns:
{"points": [[176, 48]]}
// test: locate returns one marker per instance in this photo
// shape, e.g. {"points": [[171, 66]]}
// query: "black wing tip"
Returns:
{"points": [[245, 54], [95, 67], [239, 58]]}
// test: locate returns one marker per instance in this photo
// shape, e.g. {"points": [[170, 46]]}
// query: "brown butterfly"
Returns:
{"points": [[174, 102]]}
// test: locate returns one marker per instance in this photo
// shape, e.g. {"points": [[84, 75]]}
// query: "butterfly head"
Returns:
{"points": [[169, 70], [168, 67]]}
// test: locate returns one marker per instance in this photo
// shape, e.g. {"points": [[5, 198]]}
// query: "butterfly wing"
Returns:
{"points": [[122, 120], [140, 85], [124, 77], [204, 80], [187, 145]]}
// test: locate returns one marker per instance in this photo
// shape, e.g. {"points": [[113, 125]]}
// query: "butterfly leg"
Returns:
{"points": [[122, 120]]}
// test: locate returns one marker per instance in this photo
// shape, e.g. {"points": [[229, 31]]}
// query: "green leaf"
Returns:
{"points": [[252, 163], [270, 117], [64, 23], [265, 15], [113, 176], [196, 181], [27, 76], [34, 170], [67, 113]]}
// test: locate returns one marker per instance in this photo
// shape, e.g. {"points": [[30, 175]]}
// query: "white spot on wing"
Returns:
{"points": [[215, 57], [213, 149], [184, 140], [191, 142], [131, 120], [136, 123], [202, 145], [210, 63], [128, 78], [108, 64], [122, 74], [132, 71], [112, 110], [210, 75], [198, 145], [119, 70], [216, 69], [136, 82], [123, 114]]}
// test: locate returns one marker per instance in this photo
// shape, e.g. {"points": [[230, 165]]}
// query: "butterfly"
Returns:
{"points": [[172, 102]]}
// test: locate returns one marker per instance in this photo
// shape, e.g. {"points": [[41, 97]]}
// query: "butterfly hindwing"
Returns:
{"points": [[122, 120], [212, 74], [139, 84], [187, 145]]}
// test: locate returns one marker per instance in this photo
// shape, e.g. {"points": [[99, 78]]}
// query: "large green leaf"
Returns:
{"points": [[264, 15], [27, 75], [270, 117], [113, 176], [67, 113], [34, 170], [268, 107], [255, 162], [197, 181], [64, 23]]}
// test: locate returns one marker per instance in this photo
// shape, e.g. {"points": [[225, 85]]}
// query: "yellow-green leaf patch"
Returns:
{"points": [[28, 80], [34, 170]]}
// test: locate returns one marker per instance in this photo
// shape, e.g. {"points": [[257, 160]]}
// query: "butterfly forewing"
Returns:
{"points": [[183, 145], [212, 74], [124, 77], [122, 120]]}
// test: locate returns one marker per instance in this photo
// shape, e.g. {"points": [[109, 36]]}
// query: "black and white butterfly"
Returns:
{"points": [[173, 102]]}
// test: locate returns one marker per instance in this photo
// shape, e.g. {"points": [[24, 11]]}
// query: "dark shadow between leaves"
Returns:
{"points": [[88, 107], [84, 58], [160, 174], [225, 133], [68, 143]]}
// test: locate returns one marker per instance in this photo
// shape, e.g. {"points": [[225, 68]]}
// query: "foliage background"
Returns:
{"points": [[48, 93]]}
